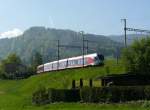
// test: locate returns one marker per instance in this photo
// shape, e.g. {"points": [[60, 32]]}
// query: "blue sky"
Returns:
{"points": [[91, 16]]}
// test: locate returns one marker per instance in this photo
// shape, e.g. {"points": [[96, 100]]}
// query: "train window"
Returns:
{"points": [[62, 64], [80, 61], [74, 62]]}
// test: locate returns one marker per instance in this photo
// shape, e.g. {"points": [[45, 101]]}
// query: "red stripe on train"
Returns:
{"points": [[90, 60]]}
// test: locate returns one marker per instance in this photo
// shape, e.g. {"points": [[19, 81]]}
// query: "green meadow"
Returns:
{"points": [[17, 94]]}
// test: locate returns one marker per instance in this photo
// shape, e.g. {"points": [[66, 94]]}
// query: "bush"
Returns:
{"points": [[93, 94], [115, 94], [147, 92], [65, 95], [88, 94], [146, 104], [43, 96], [40, 97], [137, 57]]}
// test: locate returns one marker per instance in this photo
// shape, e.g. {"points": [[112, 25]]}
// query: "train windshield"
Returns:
{"points": [[99, 59]]}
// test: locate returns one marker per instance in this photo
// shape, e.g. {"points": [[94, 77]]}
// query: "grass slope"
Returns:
{"points": [[16, 94]]}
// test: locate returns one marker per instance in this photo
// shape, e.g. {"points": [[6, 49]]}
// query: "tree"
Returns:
{"points": [[137, 57], [11, 66], [36, 60], [11, 63]]}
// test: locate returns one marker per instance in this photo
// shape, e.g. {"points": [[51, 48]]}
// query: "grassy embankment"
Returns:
{"points": [[16, 95]]}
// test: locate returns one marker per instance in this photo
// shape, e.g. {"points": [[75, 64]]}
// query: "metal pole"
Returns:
{"points": [[87, 46], [125, 31], [58, 54], [43, 58], [82, 47], [117, 56]]}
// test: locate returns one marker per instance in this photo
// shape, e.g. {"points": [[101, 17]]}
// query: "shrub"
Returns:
{"points": [[115, 94], [146, 104], [89, 94], [147, 92], [94, 94], [137, 56], [65, 95], [40, 96]]}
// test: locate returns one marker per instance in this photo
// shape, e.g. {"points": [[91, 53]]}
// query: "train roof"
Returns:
{"points": [[89, 55]]}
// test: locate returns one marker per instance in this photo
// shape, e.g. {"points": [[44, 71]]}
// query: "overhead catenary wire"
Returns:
{"points": [[147, 32], [83, 47]]}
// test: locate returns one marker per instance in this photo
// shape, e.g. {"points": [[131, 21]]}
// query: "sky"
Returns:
{"points": [[91, 16]]}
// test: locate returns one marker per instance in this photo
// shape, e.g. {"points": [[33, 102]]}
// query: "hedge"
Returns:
{"points": [[115, 94], [40, 96], [65, 95], [95, 94], [43, 96]]}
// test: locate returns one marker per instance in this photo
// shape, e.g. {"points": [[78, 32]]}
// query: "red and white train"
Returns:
{"points": [[74, 62]]}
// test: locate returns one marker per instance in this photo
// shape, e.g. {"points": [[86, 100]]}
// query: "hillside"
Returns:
{"points": [[16, 94], [43, 40]]}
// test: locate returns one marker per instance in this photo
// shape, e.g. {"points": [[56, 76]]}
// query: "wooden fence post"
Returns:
{"points": [[73, 84], [90, 83], [81, 83]]}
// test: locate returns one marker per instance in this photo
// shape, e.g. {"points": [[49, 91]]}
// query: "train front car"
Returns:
{"points": [[99, 59], [94, 59]]}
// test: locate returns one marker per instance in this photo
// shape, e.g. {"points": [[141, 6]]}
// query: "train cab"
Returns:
{"points": [[99, 59]]}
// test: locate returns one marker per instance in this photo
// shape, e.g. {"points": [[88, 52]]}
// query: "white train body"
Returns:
{"points": [[74, 62]]}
